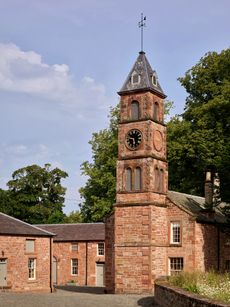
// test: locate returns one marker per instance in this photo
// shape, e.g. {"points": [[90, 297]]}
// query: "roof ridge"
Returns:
{"points": [[22, 222], [66, 224], [186, 194]]}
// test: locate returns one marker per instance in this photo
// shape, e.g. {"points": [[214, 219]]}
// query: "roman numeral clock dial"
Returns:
{"points": [[133, 139]]}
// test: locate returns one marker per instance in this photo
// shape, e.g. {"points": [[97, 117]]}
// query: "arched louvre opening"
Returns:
{"points": [[135, 110], [157, 179], [128, 179], [156, 111], [161, 180], [137, 183]]}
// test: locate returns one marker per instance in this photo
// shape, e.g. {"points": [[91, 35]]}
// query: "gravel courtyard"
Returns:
{"points": [[78, 298]]}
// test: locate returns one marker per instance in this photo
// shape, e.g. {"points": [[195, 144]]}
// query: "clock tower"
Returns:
{"points": [[139, 219]]}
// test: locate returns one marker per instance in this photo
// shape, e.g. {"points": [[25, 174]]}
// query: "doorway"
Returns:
{"points": [[100, 274], [3, 273], [54, 271]]}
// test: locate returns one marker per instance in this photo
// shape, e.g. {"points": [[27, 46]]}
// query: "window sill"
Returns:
{"points": [[32, 281]]}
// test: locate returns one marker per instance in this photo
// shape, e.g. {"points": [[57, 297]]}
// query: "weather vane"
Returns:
{"points": [[141, 25]]}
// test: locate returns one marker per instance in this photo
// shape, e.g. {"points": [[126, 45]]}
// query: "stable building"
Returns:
{"points": [[25, 256], [154, 232], [78, 253]]}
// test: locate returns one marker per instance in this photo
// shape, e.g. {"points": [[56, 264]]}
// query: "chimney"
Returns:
{"points": [[216, 189], [208, 190]]}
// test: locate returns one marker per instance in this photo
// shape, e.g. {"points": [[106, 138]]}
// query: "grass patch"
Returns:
{"points": [[210, 284]]}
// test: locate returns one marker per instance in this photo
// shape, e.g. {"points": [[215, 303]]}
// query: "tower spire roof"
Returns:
{"points": [[142, 78]]}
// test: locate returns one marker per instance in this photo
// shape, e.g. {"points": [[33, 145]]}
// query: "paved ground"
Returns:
{"points": [[83, 297]]}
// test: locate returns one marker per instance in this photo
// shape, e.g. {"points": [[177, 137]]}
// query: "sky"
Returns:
{"points": [[62, 63]]}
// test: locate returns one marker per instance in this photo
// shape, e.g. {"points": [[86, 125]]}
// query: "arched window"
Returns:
{"points": [[128, 179], [135, 110], [157, 179], [156, 111], [137, 178]]}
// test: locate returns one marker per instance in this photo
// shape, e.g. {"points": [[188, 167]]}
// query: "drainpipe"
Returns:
{"points": [[51, 261], [218, 248], [86, 263]]}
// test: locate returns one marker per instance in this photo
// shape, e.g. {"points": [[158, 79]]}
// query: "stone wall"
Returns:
{"points": [[168, 296], [13, 251], [109, 255], [86, 254]]}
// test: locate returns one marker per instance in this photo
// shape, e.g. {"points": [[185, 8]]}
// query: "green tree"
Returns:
{"points": [[100, 190], [73, 217], [201, 136], [37, 194], [7, 204]]}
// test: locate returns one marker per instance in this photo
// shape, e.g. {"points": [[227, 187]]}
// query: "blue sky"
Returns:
{"points": [[62, 63]]}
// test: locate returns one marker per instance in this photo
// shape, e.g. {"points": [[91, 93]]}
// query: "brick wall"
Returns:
{"points": [[86, 252], [109, 255], [12, 248]]}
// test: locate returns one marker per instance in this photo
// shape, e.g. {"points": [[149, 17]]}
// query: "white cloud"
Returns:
{"points": [[25, 72]]}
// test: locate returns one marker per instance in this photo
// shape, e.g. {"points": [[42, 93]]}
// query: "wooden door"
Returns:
{"points": [[54, 271], [3, 272], [100, 274]]}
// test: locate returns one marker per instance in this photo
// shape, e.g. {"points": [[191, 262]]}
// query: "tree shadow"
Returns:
{"points": [[147, 301], [82, 289]]}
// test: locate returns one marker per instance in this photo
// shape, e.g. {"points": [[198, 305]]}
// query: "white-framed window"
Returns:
{"points": [[32, 268], [74, 266], [30, 245], [175, 233], [176, 265], [74, 247], [101, 249]]}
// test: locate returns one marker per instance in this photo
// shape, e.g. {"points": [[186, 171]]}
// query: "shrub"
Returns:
{"points": [[210, 284]]}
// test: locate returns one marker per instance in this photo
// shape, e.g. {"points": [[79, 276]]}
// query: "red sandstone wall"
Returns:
{"points": [[146, 102], [109, 254], [187, 247], [140, 247], [13, 249], [63, 253]]}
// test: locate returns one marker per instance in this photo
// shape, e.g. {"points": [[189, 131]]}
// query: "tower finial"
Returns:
{"points": [[141, 25]]}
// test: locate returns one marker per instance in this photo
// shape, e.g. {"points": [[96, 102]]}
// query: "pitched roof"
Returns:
{"points": [[76, 232], [195, 205], [143, 69], [12, 226]]}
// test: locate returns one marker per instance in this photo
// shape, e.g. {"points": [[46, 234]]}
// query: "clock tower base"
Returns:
{"points": [[136, 249]]}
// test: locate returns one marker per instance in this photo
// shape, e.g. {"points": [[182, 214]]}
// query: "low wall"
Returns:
{"points": [[169, 296]]}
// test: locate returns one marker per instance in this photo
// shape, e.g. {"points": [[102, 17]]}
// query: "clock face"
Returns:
{"points": [[133, 139]]}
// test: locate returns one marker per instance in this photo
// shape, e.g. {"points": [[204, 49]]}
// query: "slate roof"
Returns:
{"points": [[145, 72], [76, 232], [12, 226], [195, 205]]}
